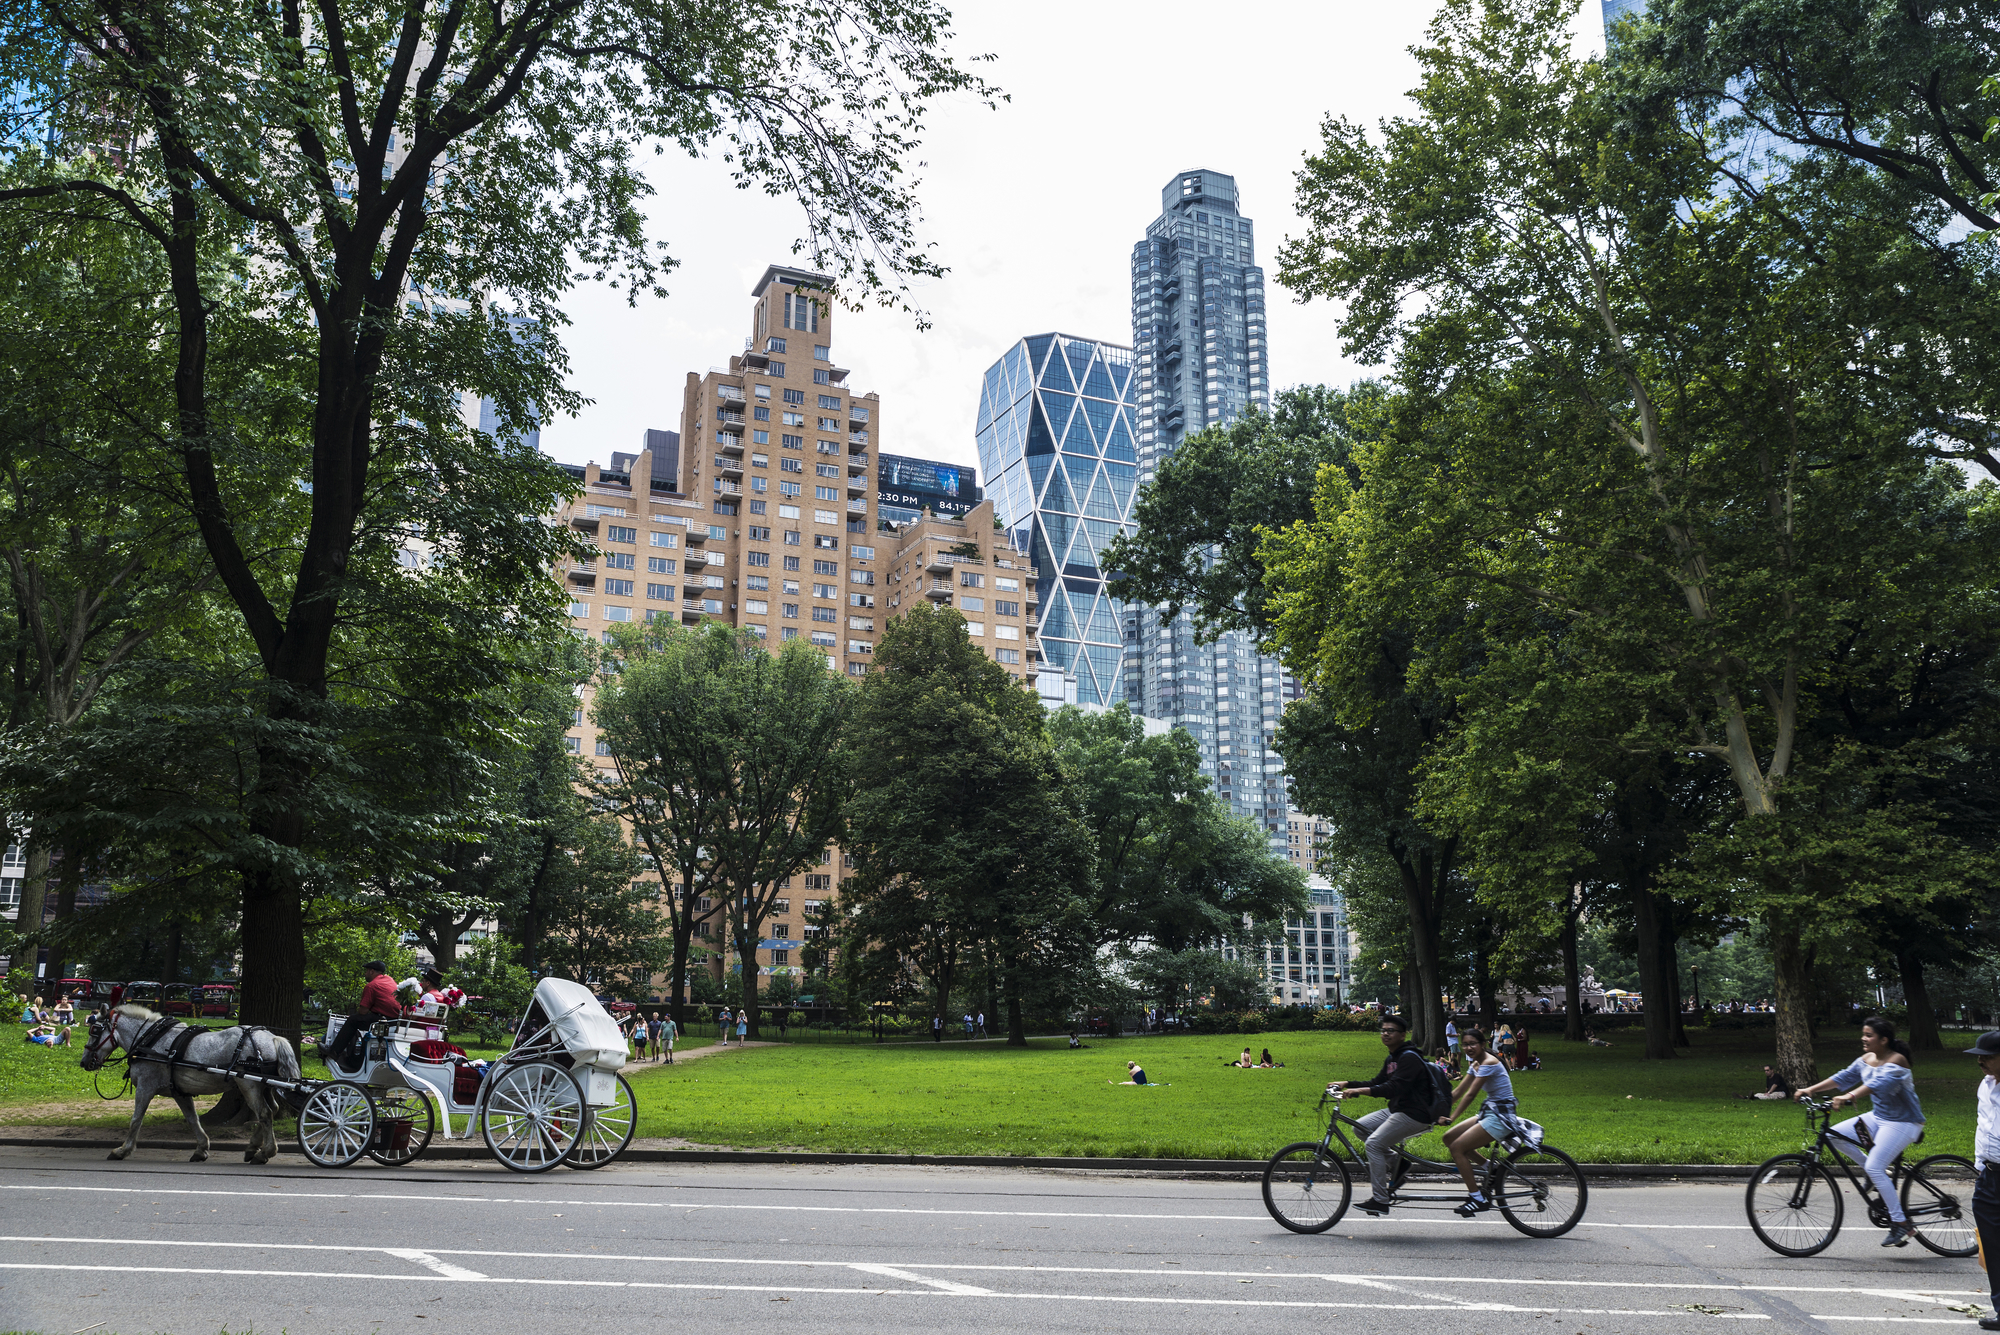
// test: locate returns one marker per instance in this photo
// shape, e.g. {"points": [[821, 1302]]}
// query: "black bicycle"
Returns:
{"points": [[1796, 1207], [1307, 1186]]}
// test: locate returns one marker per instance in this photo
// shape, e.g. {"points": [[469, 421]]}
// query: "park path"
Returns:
{"points": [[694, 1054]]}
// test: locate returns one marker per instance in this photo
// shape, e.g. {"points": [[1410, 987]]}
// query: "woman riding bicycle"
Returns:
{"points": [[1882, 1072], [1485, 1073]]}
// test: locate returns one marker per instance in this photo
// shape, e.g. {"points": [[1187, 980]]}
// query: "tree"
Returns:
{"points": [[1197, 525], [1174, 869], [601, 924], [965, 831], [397, 185], [1622, 406], [727, 764]]}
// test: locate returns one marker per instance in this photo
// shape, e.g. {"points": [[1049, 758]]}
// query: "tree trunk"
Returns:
{"points": [[746, 959], [1572, 983], [1923, 1035], [1792, 965], [1482, 984], [171, 972], [1670, 969], [1653, 985], [1017, 1028], [34, 901], [65, 910], [677, 979], [274, 963], [1424, 1007]]}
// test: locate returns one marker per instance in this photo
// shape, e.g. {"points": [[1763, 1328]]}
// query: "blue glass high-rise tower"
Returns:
{"points": [[1198, 335], [1056, 441]]}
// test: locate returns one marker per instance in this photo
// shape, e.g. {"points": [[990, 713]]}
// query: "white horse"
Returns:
{"points": [[121, 1026]]}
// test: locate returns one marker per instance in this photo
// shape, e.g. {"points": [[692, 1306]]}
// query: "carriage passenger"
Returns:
{"points": [[377, 1002]]}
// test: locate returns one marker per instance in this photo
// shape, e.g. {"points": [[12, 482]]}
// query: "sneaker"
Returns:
{"points": [[1474, 1205], [1373, 1206], [1899, 1236]]}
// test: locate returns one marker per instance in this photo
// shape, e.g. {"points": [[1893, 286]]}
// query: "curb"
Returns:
{"points": [[1250, 1168]]}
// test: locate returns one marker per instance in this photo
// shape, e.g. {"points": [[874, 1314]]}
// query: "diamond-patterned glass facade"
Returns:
{"points": [[1058, 444]]}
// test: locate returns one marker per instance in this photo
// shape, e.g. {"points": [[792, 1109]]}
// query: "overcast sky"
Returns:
{"points": [[1034, 207]]}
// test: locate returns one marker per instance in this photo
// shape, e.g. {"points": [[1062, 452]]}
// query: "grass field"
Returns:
{"points": [[1600, 1104]]}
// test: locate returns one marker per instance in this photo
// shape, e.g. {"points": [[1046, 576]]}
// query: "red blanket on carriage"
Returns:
{"points": [[435, 1050]]}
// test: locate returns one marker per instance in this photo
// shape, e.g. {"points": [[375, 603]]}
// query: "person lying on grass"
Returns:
{"points": [[47, 1035], [1138, 1074]]}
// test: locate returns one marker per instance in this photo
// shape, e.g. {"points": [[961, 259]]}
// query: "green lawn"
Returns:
{"points": [[1601, 1104]]}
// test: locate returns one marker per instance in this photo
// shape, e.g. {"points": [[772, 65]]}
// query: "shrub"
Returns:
{"points": [[1251, 1022]]}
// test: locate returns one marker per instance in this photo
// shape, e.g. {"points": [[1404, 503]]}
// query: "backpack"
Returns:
{"points": [[1440, 1085]]}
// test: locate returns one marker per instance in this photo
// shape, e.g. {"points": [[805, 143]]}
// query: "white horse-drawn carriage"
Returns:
{"points": [[555, 1097]]}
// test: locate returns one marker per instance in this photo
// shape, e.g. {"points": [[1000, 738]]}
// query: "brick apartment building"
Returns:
{"points": [[760, 514]]}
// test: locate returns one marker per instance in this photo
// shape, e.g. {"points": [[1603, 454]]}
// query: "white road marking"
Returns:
{"points": [[942, 1285], [429, 1262], [828, 1209], [905, 1270]]}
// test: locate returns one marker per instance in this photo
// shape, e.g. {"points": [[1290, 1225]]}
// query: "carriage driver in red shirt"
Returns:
{"points": [[378, 1002]]}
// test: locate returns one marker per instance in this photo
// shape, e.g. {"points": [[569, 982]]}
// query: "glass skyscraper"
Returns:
{"points": [[1203, 359], [1618, 9], [1057, 436]]}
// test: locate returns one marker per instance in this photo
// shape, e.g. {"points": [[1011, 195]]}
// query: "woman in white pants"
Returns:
{"points": [[1882, 1072]]}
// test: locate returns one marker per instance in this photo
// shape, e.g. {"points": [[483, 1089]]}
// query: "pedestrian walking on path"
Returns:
{"points": [[937, 1029], [743, 1025], [1986, 1161], [724, 1024], [982, 1024]]}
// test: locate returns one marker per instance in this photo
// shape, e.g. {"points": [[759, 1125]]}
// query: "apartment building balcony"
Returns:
{"points": [[836, 375], [697, 533], [730, 445], [585, 523], [583, 576], [730, 421], [858, 507], [938, 564], [857, 438], [857, 464], [731, 393], [756, 357], [940, 591], [857, 484], [729, 468], [728, 489], [1033, 625], [690, 609], [857, 417]]}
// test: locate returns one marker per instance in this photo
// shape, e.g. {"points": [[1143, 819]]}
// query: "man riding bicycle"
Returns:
{"points": [[1404, 1080]]}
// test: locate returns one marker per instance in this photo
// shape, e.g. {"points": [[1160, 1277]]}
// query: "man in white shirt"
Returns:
{"points": [[1450, 1035], [1986, 1159]]}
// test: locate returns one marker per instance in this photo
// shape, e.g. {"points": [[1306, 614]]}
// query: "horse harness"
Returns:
{"points": [[174, 1055]]}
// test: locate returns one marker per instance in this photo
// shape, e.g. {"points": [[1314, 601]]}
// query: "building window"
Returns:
{"points": [[825, 639], [824, 614], [971, 579], [1007, 632], [759, 436], [758, 558], [619, 560], [617, 614], [825, 517], [579, 609], [776, 344], [572, 744], [663, 539], [967, 603], [826, 541], [975, 628], [801, 313], [757, 630], [788, 633], [1007, 655], [603, 748], [788, 488], [859, 553], [658, 593], [756, 607], [790, 610], [797, 396], [818, 882], [618, 588], [660, 565], [861, 577], [792, 466], [821, 377], [826, 494], [725, 507], [860, 647], [619, 533]]}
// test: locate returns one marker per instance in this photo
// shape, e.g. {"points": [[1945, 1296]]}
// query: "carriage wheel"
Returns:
{"points": [[533, 1116], [337, 1124], [607, 1130], [404, 1123]]}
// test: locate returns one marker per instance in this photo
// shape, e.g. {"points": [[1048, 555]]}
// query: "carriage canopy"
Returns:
{"points": [[588, 1033]]}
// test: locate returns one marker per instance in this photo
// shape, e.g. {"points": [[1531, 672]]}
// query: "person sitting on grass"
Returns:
{"points": [[1138, 1074], [1268, 1062], [1776, 1087], [1590, 1037], [1244, 1061]]}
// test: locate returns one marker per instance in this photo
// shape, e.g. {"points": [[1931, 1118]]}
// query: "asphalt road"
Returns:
{"points": [[155, 1244]]}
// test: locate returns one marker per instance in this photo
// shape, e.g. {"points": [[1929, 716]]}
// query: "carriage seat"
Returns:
{"points": [[435, 1050]]}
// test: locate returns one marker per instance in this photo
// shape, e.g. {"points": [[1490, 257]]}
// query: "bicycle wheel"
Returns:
{"points": [[1937, 1197], [1541, 1192], [336, 1124], [1306, 1189], [1794, 1205], [404, 1124]]}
